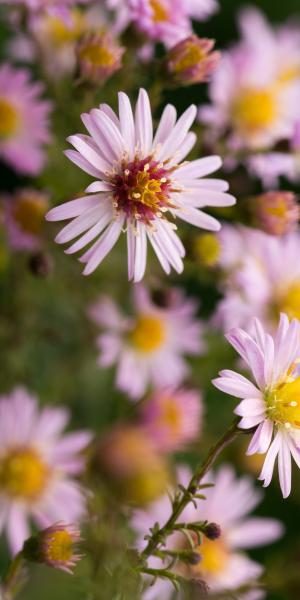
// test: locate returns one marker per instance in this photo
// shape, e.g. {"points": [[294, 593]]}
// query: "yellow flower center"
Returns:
{"points": [[29, 212], [207, 249], [148, 334], [97, 55], [8, 118], [289, 303], [60, 547], [160, 12], [170, 415], [254, 110], [289, 74], [283, 403], [23, 474], [193, 56], [61, 33], [214, 556]]}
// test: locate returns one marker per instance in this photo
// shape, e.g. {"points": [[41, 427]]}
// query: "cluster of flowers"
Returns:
{"points": [[144, 185]]}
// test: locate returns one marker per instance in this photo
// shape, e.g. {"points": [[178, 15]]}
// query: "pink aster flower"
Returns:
{"points": [[169, 21], [24, 126], [148, 348], [143, 186], [172, 418], [55, 547], [224, 565], [37, 467], [270, 404]]}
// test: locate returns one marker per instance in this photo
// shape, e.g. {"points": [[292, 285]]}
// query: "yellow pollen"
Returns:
{"points": [[97, 55], [254, 110], [23, 474], [193, 56], [8, 118], [289, 302], [160, 13], [148, 334], [147, 190], [283, 403], [207, 249], [214, 557], [29, 212], [61, 33], [60, 547]]}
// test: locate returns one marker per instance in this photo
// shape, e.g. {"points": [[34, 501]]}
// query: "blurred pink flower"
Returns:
{"points": [[24, 121], [142, 183], [148, 348], [271, 403], [55, 547], [24, 218], [224, 565], [169, 21], [37, 466], [173, 418]]}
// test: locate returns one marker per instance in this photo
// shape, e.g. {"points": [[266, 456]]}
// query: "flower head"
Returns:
{"points": [[37, 466], [143, 186], [148, 348], [271, 403], [54, 546], [99, 57], [172, 418], [192, 60], [223, 564], [24, 127], [25, 218], [276, 213]]}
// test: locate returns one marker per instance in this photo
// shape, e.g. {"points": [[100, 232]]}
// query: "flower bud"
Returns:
{"points": [[276, 213], [99, 57], [54, 546], [192, 60], [212, 531]]}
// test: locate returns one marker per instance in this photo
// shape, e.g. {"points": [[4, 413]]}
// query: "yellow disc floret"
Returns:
{"points": [[148, 334], [29, 211], [289, 302], [60, 546], [23, 474], [254, 110], [8, 118], [283, 403], [160, 13]]}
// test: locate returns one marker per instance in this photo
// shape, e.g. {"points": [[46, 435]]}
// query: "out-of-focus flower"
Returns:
{"points": [[58, 7], [262, 277], [223, 563], [55, 547], [149, 347], [252, 94], [271, 404], [37, 466], [169, 21], [276, 213], [142, 185], [25, 218], [172, 418], [99, 57], [207, 249], [24, 126], [192, 60], [132, 463]]}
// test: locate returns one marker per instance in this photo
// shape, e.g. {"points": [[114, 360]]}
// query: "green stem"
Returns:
{"points": [[13, 578], [189, 492]]}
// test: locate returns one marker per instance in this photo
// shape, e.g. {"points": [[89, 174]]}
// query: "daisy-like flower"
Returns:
{"points": [[172, 418], [143, 186], [192, 60], [271, 403], [24, 217], [55, 547], [223, 563], [148, 348], [37, 467], [99, 57], [24, 126]]}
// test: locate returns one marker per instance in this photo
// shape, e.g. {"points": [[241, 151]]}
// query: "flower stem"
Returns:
{"points": [[13, 580], [187, 494]]}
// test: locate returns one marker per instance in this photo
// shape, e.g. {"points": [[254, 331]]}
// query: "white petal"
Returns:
{"points": [[159, 253], [199, 167], [284, 467], [140, 252], [110, 132], [104, 245], [268, 467], [250, 408], [143, 123], [82, 163], [99, 186], [261, 439], [186, 146], [79, 225], [102, 146], [90, 235], [198, 218], [177, 134], [166, 124], [85, 148], [127, 124], [131, 239], [73, 208]]}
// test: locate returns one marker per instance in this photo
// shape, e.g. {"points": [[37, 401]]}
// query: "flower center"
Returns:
{"points": [[207, 248], [254, 110], [8, 118], [60, 547], [214, 557], [97, 55], [283, 403], [29, 212], [62, 33], [159, 10], [193, 55], [170, 415], [23, 474], [148, 334], [290, 301], [142, 189]]}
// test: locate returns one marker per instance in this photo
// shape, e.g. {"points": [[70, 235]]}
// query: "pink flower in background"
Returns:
{"points": [[24, 121], [143, 186], [24, 218], [169, 21], [271, 404], [173, 418], [149, 347], [262, 277], [37, 467], [224, 565]]}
